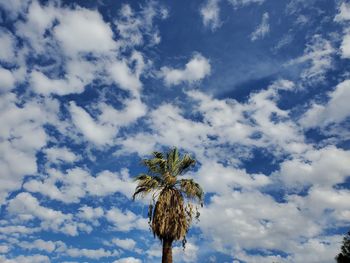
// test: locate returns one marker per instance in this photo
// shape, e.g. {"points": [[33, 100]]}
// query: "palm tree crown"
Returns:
{"points": [[171, 210]]}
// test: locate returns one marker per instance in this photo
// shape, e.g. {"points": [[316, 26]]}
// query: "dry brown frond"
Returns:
{"points": [[169, 216]]}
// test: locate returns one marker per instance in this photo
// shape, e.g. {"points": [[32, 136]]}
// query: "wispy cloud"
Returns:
{"points": [[261, 30]]}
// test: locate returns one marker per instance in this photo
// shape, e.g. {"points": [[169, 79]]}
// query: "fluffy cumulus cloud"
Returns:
{"points": [[85, 95], [27, 207], [334, 111], [84, 30], [128, 243], [125, 220], [344, 12], [196, 69], [22, 135], [78, 183]]}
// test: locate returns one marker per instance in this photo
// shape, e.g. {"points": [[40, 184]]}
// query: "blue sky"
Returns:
{"points": [[257, 91]]}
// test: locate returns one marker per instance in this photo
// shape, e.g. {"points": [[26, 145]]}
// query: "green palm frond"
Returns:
{"points": [[186, 163], [156, 165], [173, 159], [191, 189], [158, 155], [147, 184]]}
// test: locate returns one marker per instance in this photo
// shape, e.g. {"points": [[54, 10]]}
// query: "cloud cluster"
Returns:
{"points": [[78, 110]]}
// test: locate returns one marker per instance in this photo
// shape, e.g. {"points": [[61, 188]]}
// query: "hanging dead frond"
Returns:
{"points": [[170, 212], [147, 184], [169, 218], [191, 189]]}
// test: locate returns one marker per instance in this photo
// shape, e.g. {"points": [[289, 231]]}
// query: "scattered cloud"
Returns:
{"points": [[128, 260], [125, 220], [196, 69], [82, 99], [334, 111], [127, 244], [239, 3], [318, 55], [261, 30], [26, 259], [344, 13], [210, 13], [78, 183]]}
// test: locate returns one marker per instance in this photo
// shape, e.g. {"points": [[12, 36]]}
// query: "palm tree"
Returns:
{"points": [[172, 208], [344, 255]]}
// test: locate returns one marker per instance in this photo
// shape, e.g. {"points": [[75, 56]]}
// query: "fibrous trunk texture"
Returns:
{"points": [[167, 256]]}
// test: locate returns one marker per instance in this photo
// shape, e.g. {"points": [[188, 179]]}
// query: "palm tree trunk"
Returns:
{"points": [[167, 251]]}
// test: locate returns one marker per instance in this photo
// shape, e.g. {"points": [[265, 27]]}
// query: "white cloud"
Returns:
{"points": [[133, 110], [97, 133], [210, 13], [324, 204], [126, 220], [4, 249], [58, 155], [345, 46], [326, 166], [128, 260], [26, 207], [229, 178], [190, 254], [320, 250], [44, 85], [263, 29], [77, 32], [7, 46], [196, 69], [122, 75], [22, 135], [39, 244], [318, 56], [258, 122], [135, 28], [335, 110], [240, 220], [141, 143], [344, 13], [7, 80], [83, 30], [89, 213], [107, 183], [90, 253], [16, 230], [127, 244], [78, 183], [104, 129], [26, 259], [15, 7], [240, 3], [38, 19]]}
